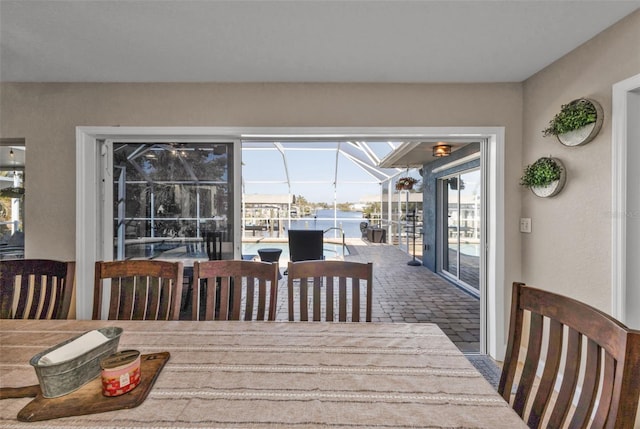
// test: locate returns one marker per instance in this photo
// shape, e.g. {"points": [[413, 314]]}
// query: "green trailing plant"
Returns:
{"points": [[541, 173], [572, 116]]}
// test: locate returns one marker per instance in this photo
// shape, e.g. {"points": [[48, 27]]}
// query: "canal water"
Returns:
{"points": [[323, 219]]}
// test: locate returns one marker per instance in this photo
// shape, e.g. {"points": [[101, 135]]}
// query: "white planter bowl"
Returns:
{"points": [[554, 187], [584, 134]]}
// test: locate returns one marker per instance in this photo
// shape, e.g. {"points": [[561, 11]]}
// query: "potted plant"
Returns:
{"points": [[405, 183], [577, 123], [545, 177]]}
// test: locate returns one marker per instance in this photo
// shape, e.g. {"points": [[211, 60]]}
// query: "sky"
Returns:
{"points": [[311, 173]]}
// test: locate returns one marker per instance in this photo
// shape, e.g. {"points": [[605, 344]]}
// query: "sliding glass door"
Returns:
{"points": [[167, 195], [461, 227]]}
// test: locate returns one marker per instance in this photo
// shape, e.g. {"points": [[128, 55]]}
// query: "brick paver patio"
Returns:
{"points": [[404, 293]]}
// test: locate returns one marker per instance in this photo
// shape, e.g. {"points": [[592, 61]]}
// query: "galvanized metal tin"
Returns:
{"points": [[67, 376]]}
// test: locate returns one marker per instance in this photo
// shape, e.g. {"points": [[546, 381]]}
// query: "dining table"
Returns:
{"points": [[236, 374]]}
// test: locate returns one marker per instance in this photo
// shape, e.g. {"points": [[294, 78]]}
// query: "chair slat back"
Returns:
{"points": [[36, 288], [353, 280], [235, 290], [213, 245], [598, 383], [140, 289]]}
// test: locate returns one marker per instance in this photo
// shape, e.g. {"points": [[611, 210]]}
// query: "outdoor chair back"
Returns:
{"points": [[36, 288], [140, 289], [213, 245], [235, 290], [210, 247], [306, 244], [606, 352], [339, 282]]}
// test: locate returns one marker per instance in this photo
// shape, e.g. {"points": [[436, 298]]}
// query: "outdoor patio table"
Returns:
{"points": [[276, 374], [269, 254]]}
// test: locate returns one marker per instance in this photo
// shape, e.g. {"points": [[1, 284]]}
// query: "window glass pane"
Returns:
{"points": [[167, 195], [462, 199], [12, 189], [469, 231]]}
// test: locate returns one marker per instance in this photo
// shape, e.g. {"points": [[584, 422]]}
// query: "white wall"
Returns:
{"points": [[569, 249], [46, 115]]}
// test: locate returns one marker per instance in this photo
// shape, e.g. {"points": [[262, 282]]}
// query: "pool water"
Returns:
{"points": [[331, 250], [469, 249]]}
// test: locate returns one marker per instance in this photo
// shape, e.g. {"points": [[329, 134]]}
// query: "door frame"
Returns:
{"points": [[88, 249], [619, 123]]}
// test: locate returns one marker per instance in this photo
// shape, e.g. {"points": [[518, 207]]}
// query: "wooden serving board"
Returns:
{"points": [[89, 399]]}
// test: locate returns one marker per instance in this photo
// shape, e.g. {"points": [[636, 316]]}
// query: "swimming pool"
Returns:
{"points": [[331, 250]]}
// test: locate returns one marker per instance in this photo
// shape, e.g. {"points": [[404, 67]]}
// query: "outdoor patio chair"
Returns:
{"points": [[235, 290], [607, 394], [211, 247], [363, 229], [196, 248], [140, 289], [36, 289], [306, 244], [353, 279]]}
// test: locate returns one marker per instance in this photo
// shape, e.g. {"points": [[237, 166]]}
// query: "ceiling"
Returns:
{"points": [[416, 153], [293, 41]]}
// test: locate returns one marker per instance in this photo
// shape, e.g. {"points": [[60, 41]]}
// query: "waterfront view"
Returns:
{"points": [[275, 223], [348, 221]]}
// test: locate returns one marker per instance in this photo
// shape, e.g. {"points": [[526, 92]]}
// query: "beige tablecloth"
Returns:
{"points": [[277, 375]]}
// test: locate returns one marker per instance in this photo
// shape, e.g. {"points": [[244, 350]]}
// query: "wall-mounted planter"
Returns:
{"points": [[550, 190], [577, 123], [541, 168]]}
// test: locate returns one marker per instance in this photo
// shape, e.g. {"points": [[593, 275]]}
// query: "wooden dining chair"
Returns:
{"points": [[598, 383], [140, 289], [235, 290], [353, 279], [36, 288]]}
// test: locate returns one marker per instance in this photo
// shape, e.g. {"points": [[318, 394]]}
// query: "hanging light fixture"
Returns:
{"points": [[441, 150]]}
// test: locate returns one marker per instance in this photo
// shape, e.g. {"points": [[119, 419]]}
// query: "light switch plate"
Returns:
{"points": [[525, 224]]}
